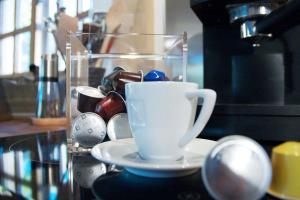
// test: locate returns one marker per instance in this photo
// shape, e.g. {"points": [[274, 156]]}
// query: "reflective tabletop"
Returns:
{"points": [[40, 167]]}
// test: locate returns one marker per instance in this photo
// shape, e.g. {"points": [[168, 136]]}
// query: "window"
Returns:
{"points": [[23, 36], [22, 52], [7, 14], [7, 55], [15, 36]]}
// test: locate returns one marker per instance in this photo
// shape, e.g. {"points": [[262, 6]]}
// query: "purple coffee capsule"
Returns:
{"points": [[107, 82], [155, 75], [88, 97], [124, 77]]}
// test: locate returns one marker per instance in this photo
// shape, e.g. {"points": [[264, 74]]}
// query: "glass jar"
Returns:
{"points": [[94, 58]]}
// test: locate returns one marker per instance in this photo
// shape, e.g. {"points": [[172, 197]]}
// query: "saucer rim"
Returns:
{"points": [[149, 165]]}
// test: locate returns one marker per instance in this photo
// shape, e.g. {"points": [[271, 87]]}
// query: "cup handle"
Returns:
{"points": [[209, 100]]}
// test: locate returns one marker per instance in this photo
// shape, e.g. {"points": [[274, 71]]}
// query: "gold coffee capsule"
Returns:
{"points": [[286, 171]]}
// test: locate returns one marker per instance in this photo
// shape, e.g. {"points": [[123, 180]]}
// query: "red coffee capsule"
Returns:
{"points": [[112, 104]]}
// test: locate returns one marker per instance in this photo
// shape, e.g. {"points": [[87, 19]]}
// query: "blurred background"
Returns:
{"points": [[26, 33]]}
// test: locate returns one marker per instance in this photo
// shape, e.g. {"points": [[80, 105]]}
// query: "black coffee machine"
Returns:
{"points": [[252, 60]]}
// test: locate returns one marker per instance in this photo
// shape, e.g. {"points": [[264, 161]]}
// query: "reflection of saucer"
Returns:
{"points": [[129, 186], [124, 153], [280, 196]]}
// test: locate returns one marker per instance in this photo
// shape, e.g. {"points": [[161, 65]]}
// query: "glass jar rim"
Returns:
{"points": [[79, 33]]}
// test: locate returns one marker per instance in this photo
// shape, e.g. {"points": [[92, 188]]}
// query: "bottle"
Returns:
{"points": [[48, 98], [97, 16], [96, 24]]}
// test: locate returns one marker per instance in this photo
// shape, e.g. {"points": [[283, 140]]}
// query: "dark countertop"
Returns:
{"points": [[39, 167]]}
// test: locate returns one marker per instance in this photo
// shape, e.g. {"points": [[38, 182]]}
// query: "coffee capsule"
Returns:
{"points": [[237, 168], [155, 75], [88, 129], [286, 174], [118, 127], [124, 77], [112, 104], [106, 85], [88, 97]]}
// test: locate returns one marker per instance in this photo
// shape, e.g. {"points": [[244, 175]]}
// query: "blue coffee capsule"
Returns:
{"points": [[155, 75]]}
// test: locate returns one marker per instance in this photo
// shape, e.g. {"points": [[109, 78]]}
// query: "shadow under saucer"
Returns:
{"points": [[125, 185]]}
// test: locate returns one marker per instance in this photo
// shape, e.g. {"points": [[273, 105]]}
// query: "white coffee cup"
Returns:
{"points": [[161, 116]]}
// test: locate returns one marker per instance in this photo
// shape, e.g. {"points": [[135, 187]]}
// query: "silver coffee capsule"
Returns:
{"points": [[237, 168], [88, 129], [118, 127]]}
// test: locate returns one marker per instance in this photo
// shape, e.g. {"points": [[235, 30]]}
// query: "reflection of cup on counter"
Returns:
{"points": [[88, 97], [286, 172]]}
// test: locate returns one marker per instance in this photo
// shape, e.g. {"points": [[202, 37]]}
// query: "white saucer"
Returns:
{"points": [[124, 153]]}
